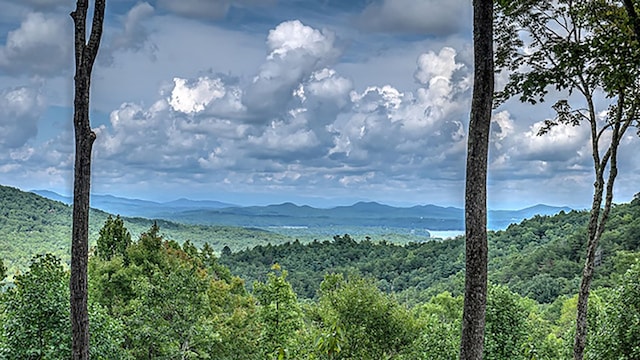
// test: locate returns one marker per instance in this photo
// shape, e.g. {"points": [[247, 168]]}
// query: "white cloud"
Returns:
{"points": [[41, 45], [295, 52], [413, 131], [434, 67], [133, 36], [193, 98], [502, 126], [561, 143]]}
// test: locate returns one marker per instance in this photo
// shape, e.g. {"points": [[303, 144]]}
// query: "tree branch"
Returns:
{"points": [[633, 17]]}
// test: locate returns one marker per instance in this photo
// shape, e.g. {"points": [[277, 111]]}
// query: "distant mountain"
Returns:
{"points": [[53, 196], [360, 214], [500, 219], [136, 207]]}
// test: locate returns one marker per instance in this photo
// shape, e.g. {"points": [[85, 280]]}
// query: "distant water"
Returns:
{"points": [[445, 234]]}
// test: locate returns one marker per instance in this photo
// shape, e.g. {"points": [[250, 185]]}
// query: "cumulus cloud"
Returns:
{"points": [[561, 143], [295, 51], [39, 46], [315, 127], [20, 109], [192, 98], [517, 152], [133, 36], [296, 122], [431, 17]]}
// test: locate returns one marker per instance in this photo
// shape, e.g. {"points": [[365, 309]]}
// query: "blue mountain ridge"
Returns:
{"points": [[209, 212]]}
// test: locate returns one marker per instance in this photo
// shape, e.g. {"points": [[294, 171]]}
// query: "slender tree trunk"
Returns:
{"points": [[633, 18], [598, 219], [85, 54], [475, 296]]}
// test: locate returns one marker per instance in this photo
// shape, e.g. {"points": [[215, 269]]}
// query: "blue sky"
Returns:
{"points": [[264, 101]]}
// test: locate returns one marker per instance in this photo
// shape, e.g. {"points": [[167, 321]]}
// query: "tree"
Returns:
{"points": [[584, 48], [114, 239], [633, 17], [3, 270], [618, 335], [506, 325], [475, 293], [36, 317], [37, 312], [363, 322], [279, 313], [85, 56]]}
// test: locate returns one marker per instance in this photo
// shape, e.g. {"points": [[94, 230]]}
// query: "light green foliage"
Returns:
{"points": [[618, 335], [37, 324], [373, 324], [37, 321], [279, 314], [175, 301], [565, 323], [114, 239], [440, 321]]}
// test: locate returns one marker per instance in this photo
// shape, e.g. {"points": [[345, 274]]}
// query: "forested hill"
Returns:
{"points": [[31, 224], [540, 258]]}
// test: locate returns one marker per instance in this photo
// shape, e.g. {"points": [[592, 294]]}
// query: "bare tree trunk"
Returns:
{"points": [[85, 55], [475, 296]]}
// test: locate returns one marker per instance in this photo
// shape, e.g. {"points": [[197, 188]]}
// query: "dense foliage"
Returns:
{"points": [[540, 258], [154, 297]]}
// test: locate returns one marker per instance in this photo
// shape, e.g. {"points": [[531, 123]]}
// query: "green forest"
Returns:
{"points": [[153, 296]]}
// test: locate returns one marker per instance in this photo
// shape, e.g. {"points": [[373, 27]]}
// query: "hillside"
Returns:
{"points": [[540, 258], [31, 224]]}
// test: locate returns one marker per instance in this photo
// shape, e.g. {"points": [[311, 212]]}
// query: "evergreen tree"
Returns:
{"points": [[114, 239]]}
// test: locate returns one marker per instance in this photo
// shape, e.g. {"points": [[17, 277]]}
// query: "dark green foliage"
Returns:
{"points": [[167, 299], [395, 267], [506, 321], [540, 258], [114, 239], [3, 270]]}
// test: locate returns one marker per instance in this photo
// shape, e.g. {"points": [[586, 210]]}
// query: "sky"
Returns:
{"points": [[318, 102]]}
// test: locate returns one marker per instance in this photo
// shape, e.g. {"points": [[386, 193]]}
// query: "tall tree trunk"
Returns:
{"points": [[598, 217], [475, 295], [85, 55]]}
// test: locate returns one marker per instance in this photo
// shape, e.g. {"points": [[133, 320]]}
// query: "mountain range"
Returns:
{"points": [[362, 214]]}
